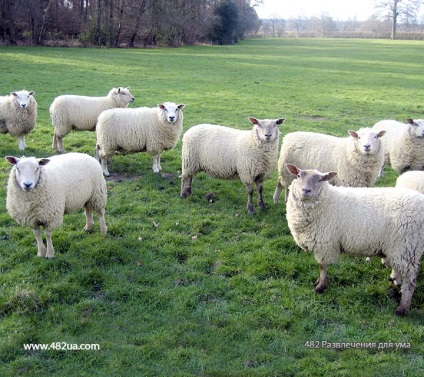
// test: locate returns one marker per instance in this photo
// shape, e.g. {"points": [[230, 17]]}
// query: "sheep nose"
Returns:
{"points": [[27, 186], [171, 118], [23, 105], [306, 190], [367, 147]]}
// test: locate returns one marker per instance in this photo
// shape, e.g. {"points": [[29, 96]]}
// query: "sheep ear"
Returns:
{"points": [[14, 94], [31, 93], [280, 121], [353, 134], [43, 161], [410, 121], [161, 106], [328, 176], [181, 106], [12, 160], [119, 90], [381, 133], [292, 169], [253, 120]]}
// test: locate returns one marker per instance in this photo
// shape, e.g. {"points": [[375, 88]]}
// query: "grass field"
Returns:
{"points": [[193, 287]]}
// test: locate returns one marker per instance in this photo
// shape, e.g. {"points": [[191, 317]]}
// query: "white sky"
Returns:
{"points": [[337, 9]]}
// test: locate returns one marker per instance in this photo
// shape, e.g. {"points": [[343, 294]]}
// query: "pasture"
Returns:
{"points": [[197, 287]]}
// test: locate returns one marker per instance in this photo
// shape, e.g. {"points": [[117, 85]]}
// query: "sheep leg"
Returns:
{"points": [[58, 143], [186, 187], [249, 189], [102, 221], [88, 220], [40, 245], [322, 280], [103, 162], [277, 192], [381, 173], [50, 248], [22, 144], [259, 189], [156, 163], [407, 290]]}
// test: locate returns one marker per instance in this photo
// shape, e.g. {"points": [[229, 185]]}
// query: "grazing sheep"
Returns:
{"points": [[413, 179], [357, 158], [18, 112], [383, 221], [143, 129], [41, 191], [228, 153], [403, 144], [80, 113]]}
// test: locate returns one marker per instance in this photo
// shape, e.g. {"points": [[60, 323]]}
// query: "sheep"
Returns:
{"points": [[382, 221], [413, 179], [143, 129], [40, 191], [357, 158], [403, 144], [18, 113], [72, 112], [227, 153]]}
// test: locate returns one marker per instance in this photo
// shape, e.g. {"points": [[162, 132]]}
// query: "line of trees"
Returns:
{"points": [[395, 19], [130, 23]]}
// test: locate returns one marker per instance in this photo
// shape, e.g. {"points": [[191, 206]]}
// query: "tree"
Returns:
{"points": [[224, 29], [399, 10]]}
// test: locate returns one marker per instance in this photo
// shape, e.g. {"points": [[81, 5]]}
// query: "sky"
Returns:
{"points": [[337, 9]]}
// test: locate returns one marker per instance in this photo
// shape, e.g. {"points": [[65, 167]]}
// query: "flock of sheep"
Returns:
{"points": [[330, 204]]}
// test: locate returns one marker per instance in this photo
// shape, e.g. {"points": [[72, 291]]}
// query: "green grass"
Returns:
{"points": [[192, 287]]}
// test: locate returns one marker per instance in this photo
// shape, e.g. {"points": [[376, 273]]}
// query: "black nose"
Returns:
{"points": [[306, 190], [367, 147], [171, 118], [27, 186]]}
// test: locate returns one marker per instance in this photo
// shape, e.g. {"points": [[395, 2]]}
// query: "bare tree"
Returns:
{"points": [[399, 9]]}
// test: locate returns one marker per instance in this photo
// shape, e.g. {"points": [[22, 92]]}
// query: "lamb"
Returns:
{"points": [[357, 158], [403, 144], [143, 129], [413, 179], [228, 153], [383, 221], [18, 113], [79, 113], [41, 191]]}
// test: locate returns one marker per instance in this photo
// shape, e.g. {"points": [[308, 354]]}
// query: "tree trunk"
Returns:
{"points": [[394, 19]]}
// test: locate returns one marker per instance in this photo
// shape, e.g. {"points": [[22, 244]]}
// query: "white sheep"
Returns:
{"points": [[403, 144], [18, 113], [41, 191], [382, 221], [357, 158], [143, 129], [413, 179], [229, 153], [73, 112]]}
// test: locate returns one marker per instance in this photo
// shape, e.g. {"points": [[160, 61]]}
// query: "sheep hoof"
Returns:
{"points": [[186, 193], [400, 311]]}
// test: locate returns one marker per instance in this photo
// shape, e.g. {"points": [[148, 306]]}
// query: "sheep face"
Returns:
{"points": [[266, 129], [124, 95], [171, 111], [367, 141], [416, 127], [27, 171], [308, 184], [23, 97]]}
